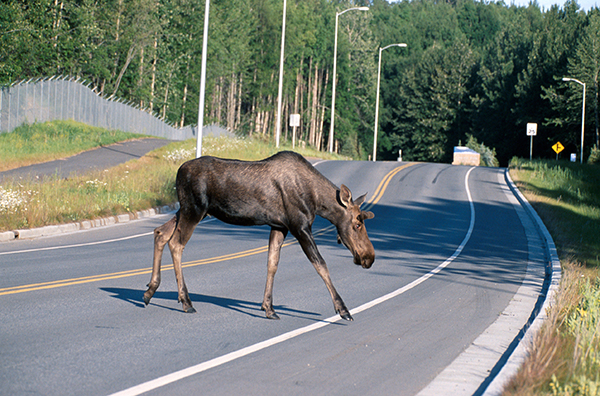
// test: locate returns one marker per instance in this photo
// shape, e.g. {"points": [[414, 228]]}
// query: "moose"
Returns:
{"points": [[284, 192]]}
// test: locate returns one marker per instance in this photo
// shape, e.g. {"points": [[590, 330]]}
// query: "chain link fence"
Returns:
{"points": [[69, 99]]}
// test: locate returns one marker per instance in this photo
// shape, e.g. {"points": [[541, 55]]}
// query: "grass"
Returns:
{"points": [[567, 197], [565, 356], [33, 143], [136, 185]]}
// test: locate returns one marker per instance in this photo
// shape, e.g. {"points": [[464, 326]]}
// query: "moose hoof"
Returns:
{"points": [[272, 316], [147, 300], [346, 316], [189, 310]]}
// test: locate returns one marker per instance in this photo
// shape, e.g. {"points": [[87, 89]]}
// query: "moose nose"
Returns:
{"points": [[365, 262], [368, 262]]}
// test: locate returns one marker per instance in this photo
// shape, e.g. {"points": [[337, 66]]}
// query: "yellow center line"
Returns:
{"points": [[384, 184], [124, 274]]}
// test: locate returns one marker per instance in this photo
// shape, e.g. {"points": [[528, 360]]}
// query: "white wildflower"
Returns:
{"points": [[179, 155], [95, 183], [10, 200]]}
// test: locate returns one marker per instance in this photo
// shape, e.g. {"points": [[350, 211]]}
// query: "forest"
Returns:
{"points": [[471, 69]]}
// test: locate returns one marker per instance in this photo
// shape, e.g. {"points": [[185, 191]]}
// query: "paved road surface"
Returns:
{"points": [[99, 158], [453, 253]]}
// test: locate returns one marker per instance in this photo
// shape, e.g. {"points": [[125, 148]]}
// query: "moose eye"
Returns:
{"points": [[357, 226]]}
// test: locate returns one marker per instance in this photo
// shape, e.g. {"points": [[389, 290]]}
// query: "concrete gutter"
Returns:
{"points": [[51, 230]]}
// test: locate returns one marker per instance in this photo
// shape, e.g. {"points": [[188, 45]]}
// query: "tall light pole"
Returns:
{"points": [[337, 15], [202, 82], [377, 98], [280, 93], [582, 112]]}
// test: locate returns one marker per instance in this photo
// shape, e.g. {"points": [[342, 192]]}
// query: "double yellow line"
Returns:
{"points": [[383, 185], [124, 274]]}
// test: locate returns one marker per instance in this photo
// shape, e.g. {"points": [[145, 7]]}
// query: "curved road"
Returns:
{"points": [[452, 253]]}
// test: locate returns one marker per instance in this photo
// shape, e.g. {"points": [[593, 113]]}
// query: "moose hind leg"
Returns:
{"points": [[162, 235], [183, 232], [276, 239]]}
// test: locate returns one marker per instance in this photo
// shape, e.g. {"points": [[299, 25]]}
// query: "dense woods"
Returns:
{"points": [[471, 69]]}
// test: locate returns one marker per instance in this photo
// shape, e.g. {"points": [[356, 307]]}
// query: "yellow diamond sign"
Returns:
{"points": [[558, 147]]}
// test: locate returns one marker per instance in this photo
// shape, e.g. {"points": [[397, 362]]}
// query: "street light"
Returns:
{"points": [[337, 14], [582, 112], [202, 82], [377, 97], [280, 92]]}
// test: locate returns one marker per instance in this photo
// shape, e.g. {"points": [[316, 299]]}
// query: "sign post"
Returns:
{"points": [[531, 131], [558, 147]]}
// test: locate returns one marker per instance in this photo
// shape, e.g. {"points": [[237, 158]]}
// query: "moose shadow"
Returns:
{"points": [[250, 308]]}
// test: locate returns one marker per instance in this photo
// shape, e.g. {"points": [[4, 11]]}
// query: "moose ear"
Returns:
{"points": [[366, 215], [345, 196], [359, 201]]}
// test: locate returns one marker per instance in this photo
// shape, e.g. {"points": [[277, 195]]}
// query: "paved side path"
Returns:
{"points": [[100, 158]]}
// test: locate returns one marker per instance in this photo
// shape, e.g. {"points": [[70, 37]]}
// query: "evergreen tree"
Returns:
{"points": [[585, 66], [471, 67]]}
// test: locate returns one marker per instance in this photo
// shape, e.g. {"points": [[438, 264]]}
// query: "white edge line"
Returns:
{"points": [[192, 370], [87, 243], [320, 162], [76, 245]]}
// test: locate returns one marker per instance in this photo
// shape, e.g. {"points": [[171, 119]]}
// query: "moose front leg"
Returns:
{"points": [[310, 249], [338, 303], [276, 239], [162, 235]]}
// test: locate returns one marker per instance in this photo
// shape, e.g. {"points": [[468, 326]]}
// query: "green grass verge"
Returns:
{"points": [[565, 356], [136, 185], [35, 143], [567, 196]]}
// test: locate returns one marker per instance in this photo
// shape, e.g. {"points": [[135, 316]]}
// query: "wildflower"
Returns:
{"points": [[179, 155], [10, 200]]}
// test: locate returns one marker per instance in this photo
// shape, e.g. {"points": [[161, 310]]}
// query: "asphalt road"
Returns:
{"points": [[452, 252]]}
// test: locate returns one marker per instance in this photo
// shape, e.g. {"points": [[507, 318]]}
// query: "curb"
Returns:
{"points": [[51, 230], [487, 365]]}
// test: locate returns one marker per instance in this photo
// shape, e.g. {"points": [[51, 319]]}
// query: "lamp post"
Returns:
{"points": [[377, 97], [582, 112], [202, 82], [337, 14], [280, 92]]}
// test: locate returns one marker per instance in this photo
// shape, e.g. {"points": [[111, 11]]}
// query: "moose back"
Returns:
{"points": [[284, 192]]}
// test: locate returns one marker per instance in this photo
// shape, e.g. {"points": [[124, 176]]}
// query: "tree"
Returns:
{"points": [[554, 44], [585, 65], [494, 93], [471, 67], [428, 121], [356, 79]]}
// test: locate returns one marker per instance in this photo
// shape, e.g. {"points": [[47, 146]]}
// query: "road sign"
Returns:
{"points": [[531, 129], [558, 147], [294, 120], [531, 132]]}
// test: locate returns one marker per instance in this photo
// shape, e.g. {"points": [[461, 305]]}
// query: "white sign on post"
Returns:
{"points": [[294, 120], [531, 131]]}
